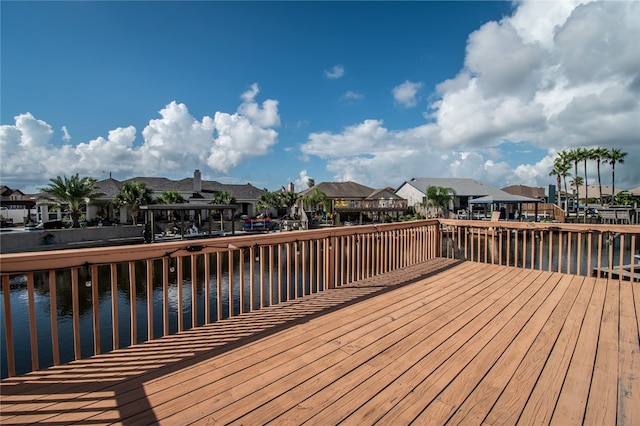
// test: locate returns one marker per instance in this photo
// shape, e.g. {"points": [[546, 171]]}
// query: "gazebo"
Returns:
{"points": [[509, 199], [182, 208]]}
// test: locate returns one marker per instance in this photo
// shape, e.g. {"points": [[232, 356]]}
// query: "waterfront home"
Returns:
{"points": [[352, 202], [415, 191], [16, 206], [192, 189]]}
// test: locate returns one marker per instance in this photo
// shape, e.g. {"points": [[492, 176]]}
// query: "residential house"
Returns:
{"points": [[356, 203], [415, 192], [193, 189], [16, 206]]}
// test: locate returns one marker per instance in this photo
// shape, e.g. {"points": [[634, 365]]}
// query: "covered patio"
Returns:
{"points": [[509, 207]]}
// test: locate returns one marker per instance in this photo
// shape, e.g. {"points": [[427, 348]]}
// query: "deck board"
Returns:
{"points": [[437, 343]]}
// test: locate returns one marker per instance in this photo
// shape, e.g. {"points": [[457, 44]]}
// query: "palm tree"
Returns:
{"points": [[170, 197], [573, 156], [577, 182], [269, 200], [600, 154], [566, 167], [440, 197], [586, 154], [315, 198], [71, 193], [133, 195], [222, 198], [289, 199], [557, 171], [615, 156]]}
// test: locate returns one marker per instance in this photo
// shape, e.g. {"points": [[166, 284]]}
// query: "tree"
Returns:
{"points": [[315, 198], [311, 182], [133, 195], [288, 199], [576, 182], [269, 200], [71, 193], [585, 155], [222, 198], [440, 197], [615, 156], [573, 155], [170, 197], [566, 167], [600, 154], [625, 198], [557, 171]]}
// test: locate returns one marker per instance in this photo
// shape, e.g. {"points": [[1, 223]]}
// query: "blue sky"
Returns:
{"points": [[272, 93]]}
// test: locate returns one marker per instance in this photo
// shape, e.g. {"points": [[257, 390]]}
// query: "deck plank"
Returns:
{"points": [[393, 363], [517, 400], [629, 357], [572, 401], [463, 343], [522, 361]]}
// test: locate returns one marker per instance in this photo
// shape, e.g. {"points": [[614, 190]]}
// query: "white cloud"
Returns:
{"points": [[65, 134], [302, 182], [350, 95], [334, 73], [172, 143], [556, 75], [406, 94]]}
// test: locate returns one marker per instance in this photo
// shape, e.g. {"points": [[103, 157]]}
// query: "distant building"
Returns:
{"points": [[415, 191], [526, 191], [16, 206], [353, 202], [192, 189]]}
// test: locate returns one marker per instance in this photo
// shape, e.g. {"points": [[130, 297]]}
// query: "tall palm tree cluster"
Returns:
{"points": [[572, 158]]}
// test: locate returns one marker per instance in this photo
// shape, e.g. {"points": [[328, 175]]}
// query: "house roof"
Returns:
{"points": [[384, 193], [110, 188], [594, 191], [335, 190], [463, 187], [504, 199], [525, 191]]}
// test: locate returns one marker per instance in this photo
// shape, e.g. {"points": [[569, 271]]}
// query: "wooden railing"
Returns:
{"points": [[67, 305], [579, 249]]}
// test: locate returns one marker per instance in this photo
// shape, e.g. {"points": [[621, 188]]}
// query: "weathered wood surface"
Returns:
{"points": [[437, 343]]}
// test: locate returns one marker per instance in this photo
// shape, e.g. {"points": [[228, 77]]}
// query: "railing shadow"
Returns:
{"points": [[110, 387]]}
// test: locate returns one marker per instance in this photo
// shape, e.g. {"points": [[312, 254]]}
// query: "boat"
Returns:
{"points": [[260, 224]]}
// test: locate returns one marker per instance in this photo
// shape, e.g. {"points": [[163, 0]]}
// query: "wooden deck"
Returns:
{"points": [[442, 342]]}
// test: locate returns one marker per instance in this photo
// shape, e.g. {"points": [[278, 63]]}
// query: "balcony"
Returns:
{"points": [[423, 322]]}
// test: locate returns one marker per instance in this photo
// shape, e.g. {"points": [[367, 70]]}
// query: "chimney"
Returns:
{"points": [[291, 187], [197, 181]]}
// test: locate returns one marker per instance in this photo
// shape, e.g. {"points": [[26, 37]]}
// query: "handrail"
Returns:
{"points": [[118, 296], [580, 249]]}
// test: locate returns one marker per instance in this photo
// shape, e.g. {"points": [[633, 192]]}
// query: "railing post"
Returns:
{"points": [[439, 240], [329, 259], [6, 289]]}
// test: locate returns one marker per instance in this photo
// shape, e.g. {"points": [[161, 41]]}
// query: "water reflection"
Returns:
{"points": [[218, 288]]}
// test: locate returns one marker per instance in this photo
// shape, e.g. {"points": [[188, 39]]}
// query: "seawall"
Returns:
{"points": [[55, 239]]}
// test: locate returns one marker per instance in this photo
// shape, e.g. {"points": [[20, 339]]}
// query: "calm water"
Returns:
{"points": [[20, 315]]}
